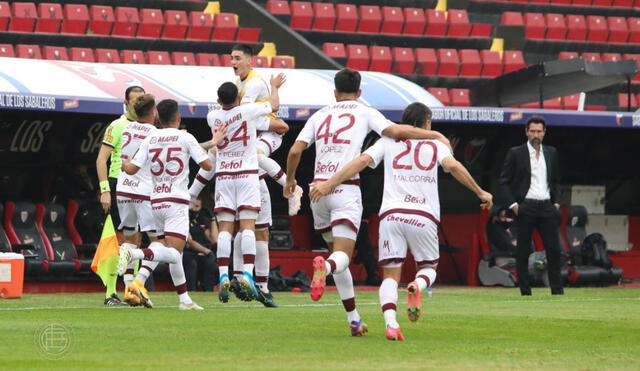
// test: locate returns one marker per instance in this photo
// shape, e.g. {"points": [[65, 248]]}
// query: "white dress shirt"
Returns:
{"points": [[539, 188]]}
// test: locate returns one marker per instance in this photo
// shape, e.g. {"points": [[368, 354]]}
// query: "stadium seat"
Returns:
{"points": [[570, 102], [21, 229], [448, 62], [126, 21], [225, 60], [53, 226], [207, 59], [325, 17], [381, 59], [176, 23], [624, 3], [567, 55], [283, 62], [581, 2], [635, 57], [347, 18], [414, 21], [248, 35], [427, 61], [470, 64], [611, 57], [151, 21], [334, 50], [82, 55], [392, 20], [602, 2], [633, 25], [459, 25], [459, 97], [358, 57], [76, 19], [481, 30], [158, 57], [597, 28], [278, 7], [591, 57], [23, 17], [512, 19], [618, 29], [201, 25], [535, 26], [6, 50], [623, 100], [133, 57], [5, 15], [183, 59], [301, 15], [107, 56], [260, 61], [5, 244], [370, 18], [577, 27], [553, 103], [532, 105], [58, 53], [491, 63], [101, 20], [404, 61], [225, 27], [556, 26], [513, 60], [441, 94], [85, 221], [436, 23], [49, 18], [28, 51]]}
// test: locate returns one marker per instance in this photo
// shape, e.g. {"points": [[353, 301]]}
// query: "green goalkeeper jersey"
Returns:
{"points": [[113, 138]]}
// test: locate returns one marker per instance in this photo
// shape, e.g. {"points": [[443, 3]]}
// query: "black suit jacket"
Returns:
{"points": [[515, 178]]}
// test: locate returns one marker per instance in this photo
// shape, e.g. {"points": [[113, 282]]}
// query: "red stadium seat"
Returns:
{"points": [[595, 108], [491, 63], [183, 59], [49, 17], [436, 23], [459, 25], [635, 57], [5, 15], [282, 62], [260, 61], [248, 35], [381, 59], [151, 21], [591, 57], [23, 17], [459, 97], [107, 56], [225, 27], [126, 23], [602, 2], [570, 102], [553, 103], [597, 28], [513, 60], [358, 57], [225, 60], [6, 50], [404, 62], [481, 30], [200, 27], [133, 57], [334, 50], [325, 17], [611, 57], [532, 105], [301, 15], [577, 27], [347, 17], [512, 19], [623, 100], [76, 19], [624, 3], [556, 26], [278, 7], [448, 62], [633, 25], [207, 59], [618, 29], [582, 2], [370, 18], [392, 20], [567, 55], [176, 23], [57, 53], [442, 94], [82, 55], [414, 21], [470, 64], [28, 51], [101, 20], [427, 61], [535, 26], [158, 57]]}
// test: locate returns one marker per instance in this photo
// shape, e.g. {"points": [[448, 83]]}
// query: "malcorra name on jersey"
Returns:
{"points": [[414, 178], [27, 101]]}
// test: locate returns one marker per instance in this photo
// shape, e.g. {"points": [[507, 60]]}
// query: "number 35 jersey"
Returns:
{"points": [[139, 183], [166, 152], [410, 174], [338, 131]]}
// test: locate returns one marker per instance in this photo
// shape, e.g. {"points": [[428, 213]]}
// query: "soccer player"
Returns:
{"points": [[110, 150], [237, 190], [338, 130], [167, 152], [410, 210]]}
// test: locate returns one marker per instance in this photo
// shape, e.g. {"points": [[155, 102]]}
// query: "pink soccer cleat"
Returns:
{"points": [[413, 301], [394, 333], [358, 328], [319, 277]]}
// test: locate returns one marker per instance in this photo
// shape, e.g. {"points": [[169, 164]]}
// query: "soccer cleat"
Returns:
{"points": [[358, 328], [394, 333], [266, 298], [137, 290], [413, 301], [223, 295], [319, 278], [248, 286], [294, 201], [235, 288], [124, 259], [190, 306], [113, 301]]}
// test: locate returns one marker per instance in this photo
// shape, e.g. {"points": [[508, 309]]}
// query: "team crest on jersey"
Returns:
{"points": [[218, 197], [217, 123], [108, 135], [385, 245]]}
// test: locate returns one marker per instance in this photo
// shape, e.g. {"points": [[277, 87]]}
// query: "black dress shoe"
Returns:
{"points": [[559, 291], [525, 292]]}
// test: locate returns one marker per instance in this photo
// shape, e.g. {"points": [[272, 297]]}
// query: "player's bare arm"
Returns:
{"points": [[322, 188], [276, 82], [462, 175], [402, 132], [128, 167], [278, 126], [101, 168], [293, 160]]}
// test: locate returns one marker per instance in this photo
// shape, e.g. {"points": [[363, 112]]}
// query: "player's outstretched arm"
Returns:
{"points": [[128, 167], [402, 132], [276, 83], [323, 188], [462, 175], [293, 160], [278, 126]]}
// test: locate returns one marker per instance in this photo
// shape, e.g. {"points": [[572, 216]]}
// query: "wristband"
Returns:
{"points": [[104, 186]]}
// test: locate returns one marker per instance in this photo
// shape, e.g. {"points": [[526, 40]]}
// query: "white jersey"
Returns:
{"points": [[410, 175], [140, 183], [339, 131], [237, 153], [167, 152]]}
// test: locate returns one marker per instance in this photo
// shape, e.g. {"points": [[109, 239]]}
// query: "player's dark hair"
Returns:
{"points": [[347, 81], [535, 119], [416, 114], [246, 49], [227, 93], [167, 111], [144, 104], [133, 89]]}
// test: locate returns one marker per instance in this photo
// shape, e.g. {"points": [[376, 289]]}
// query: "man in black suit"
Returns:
{"points": [[529, 181]]}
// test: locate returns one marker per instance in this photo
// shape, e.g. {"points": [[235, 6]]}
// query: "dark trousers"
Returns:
{"points": [[201, 269], [544, 216]]}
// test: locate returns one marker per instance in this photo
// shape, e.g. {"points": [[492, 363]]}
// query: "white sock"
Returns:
{"points": [[341, 260], [128, 276], [388, 300], [238, 261], [344, 284], [143, 272], [425, 278], [272, 168], [262, 265], [224, 250], [248, 250], [179, 280], [136, 253]]}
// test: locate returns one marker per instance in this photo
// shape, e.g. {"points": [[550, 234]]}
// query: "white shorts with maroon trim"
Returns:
{"points": [[413, 229], [135, 211], [264, 216], [237, 192], [342, 206], [172, 217], [268, 142]]}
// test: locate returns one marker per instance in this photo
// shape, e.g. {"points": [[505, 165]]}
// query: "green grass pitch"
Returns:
{"points": [[478, 329]]}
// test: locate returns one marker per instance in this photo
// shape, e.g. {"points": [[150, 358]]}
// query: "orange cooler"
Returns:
{"points": [[11, 275]]}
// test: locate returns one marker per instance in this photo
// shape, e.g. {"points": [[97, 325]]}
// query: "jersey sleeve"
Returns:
{"points": [[442, 151], [112, 135], [255, 88], [141, 157], [195, 151], [255, 110], [377, 121], [307, 134], [262, 124], [376, 152]]}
